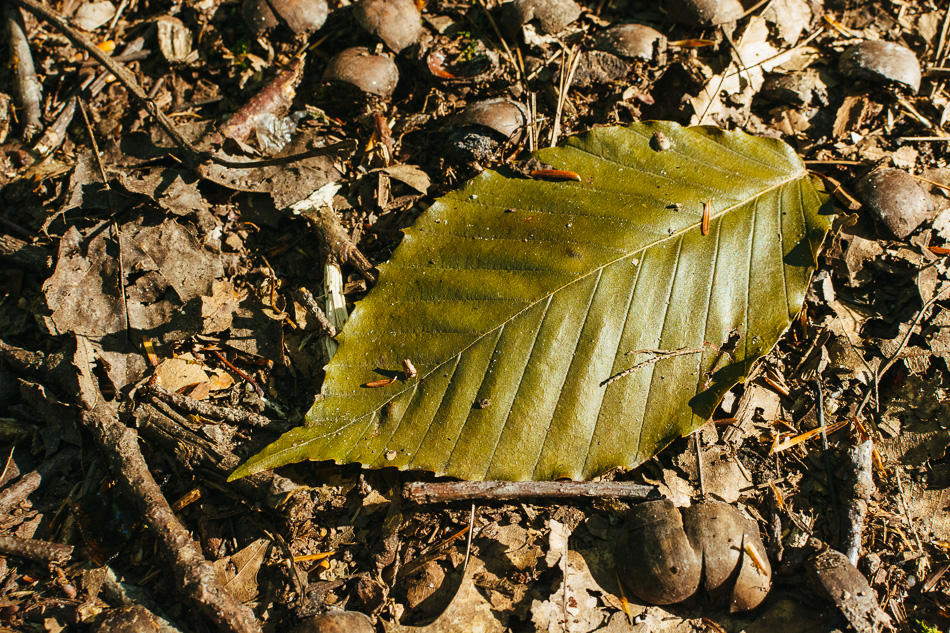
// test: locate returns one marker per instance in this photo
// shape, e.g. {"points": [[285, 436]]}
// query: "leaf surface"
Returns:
{"points": [[517, 300]]}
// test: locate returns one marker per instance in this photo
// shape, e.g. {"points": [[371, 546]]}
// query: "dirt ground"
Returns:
{"points": [[159, 303]]}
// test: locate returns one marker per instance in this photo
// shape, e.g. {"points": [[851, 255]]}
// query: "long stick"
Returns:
{"points": [[444, 492]]}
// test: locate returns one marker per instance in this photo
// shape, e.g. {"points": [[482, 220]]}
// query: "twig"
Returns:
{"points": [[445, 492], [206, 409], [856, 506], [341, 249], [29, 90], [253, 383], [658, 355], [28, 483], [825, 452], [194, 574], [306, 298], [36, 550], [265, 487], [24, 254], [55, 133]]}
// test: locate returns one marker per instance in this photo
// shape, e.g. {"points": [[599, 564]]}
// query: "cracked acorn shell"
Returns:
{"points": [[665, 554]]}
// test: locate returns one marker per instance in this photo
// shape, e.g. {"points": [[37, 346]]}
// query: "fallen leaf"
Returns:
{"points": [[468, 612], [537, 318], [238, 572]]}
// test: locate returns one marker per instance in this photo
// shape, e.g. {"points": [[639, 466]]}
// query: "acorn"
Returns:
{"points": [[553, 16], [357, 66], [896, 200], [655, 560], [882, 62], [735, 565], [484, 126], [302, 16], [633, 41], [397, 23], [704, 13]]}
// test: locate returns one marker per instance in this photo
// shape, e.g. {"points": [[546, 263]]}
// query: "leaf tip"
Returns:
{"points": [[243, 471]]}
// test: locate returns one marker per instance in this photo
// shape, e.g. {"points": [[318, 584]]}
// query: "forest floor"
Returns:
{"points": [[156, 329]]}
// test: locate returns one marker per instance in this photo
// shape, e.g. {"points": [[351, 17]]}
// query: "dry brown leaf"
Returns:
{"points": [[238, 572], [469, 611]]}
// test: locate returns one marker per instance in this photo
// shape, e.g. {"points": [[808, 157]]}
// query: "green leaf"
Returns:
{"points": [[517, 300]]}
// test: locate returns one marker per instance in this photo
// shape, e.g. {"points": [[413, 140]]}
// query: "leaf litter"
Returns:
{"points": [[208, 267]]}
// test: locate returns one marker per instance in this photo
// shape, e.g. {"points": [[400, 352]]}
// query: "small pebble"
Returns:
{"points": [[894, 197], [882, 62], [373, 74]]}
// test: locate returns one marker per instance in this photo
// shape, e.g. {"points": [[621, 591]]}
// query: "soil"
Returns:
{"points": [[159, 304]]}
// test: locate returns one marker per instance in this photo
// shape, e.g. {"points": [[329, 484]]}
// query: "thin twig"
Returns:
{"points": [[445, 492], [938, 57], [658, 355], [13, 494], [501, 38], [468, 540], [306, 298], [856, 505], [920, 118], [253, 383], [825, 452]]}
